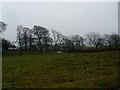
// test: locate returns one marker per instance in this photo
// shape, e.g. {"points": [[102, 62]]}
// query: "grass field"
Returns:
{"points": [[65, 70]]}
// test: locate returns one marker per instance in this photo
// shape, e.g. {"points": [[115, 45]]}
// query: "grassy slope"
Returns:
{"points": [[66, 70]]}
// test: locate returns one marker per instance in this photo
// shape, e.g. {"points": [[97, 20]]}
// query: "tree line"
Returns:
{"points": [[41, 39]]}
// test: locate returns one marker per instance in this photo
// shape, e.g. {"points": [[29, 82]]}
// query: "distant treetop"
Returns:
{"points": [[2, 26]]}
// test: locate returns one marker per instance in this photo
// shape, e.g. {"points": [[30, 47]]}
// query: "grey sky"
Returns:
{"points": [[65, 17]]}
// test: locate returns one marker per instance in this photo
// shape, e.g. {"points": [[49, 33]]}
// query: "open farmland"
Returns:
{"points": [[65, 70]]}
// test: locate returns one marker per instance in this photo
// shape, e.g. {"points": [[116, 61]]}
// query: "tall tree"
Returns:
{"points": [[30, 38], [77, 41], [19, 36], [108, 40], [25, 37], [2, 29], [94, 39], [45, 39], [66, 43], [41, 33], [116, 39], [57, 39]]}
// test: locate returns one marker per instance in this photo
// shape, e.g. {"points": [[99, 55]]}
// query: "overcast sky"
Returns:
{"points": [[66, 17]]}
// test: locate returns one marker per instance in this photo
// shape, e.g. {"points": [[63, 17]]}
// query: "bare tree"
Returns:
{"points": [[67, 43], [30, 39], [94, 39], [47, 41], [19, 36], [2, 27], [25, 37], [116, 39], [41, 33], [57, 37], [108, 40], [112, 40], [77, 41], [22, 37]]}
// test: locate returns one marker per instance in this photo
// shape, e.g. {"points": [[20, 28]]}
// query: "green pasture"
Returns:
{"points": [[65, 70]]}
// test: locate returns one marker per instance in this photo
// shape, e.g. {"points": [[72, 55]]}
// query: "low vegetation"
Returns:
{"points": [[65, 70]]}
